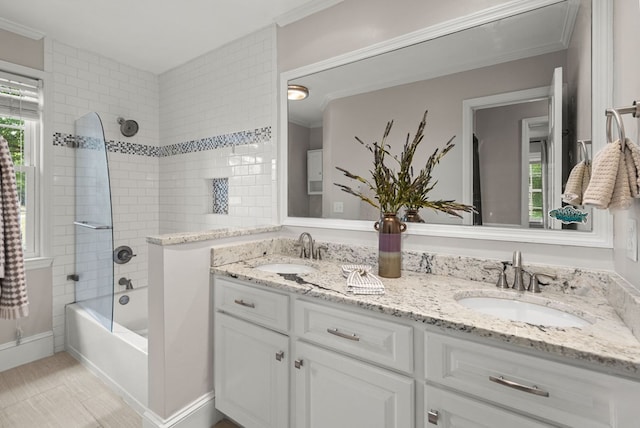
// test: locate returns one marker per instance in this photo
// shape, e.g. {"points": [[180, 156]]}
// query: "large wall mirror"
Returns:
{"points": [[520, 87]]}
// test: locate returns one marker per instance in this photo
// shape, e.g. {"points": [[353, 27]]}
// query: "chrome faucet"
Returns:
{"points": [[306, 251], [518, 280]]}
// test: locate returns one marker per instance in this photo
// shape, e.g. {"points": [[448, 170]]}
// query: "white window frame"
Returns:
{"points": [[32, 166]]}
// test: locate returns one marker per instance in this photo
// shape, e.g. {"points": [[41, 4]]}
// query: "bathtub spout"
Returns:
{"points": [[126, 282]]}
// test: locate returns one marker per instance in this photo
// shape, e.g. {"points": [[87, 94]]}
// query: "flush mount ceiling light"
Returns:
{"points": [[297, 92]]}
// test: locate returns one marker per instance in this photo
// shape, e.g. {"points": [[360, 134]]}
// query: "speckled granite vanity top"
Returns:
{"points": [[607, 344]]}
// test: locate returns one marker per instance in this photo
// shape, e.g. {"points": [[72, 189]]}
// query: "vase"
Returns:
{"points": [[389, 251], [411, 216]]}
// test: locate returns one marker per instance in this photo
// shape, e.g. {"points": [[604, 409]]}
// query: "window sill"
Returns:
{"points": [[38, 263]]}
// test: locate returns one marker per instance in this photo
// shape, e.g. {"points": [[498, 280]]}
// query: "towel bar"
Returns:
{"points": [[616, 113]]}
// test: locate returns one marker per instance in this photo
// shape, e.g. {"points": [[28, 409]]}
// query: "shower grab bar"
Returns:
{"points": [[91, 226]]}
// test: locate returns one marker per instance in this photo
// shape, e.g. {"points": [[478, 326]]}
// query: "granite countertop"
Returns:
{"points": [[207, 235], [606, 344]]}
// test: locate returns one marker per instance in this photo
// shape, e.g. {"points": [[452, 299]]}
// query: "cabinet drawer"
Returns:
{"points": [[369, 338], [576, 397], [449, 410], [260, 306]]}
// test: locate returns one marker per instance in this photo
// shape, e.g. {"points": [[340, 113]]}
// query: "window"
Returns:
{"points": [[20, 126], [535, 193]]}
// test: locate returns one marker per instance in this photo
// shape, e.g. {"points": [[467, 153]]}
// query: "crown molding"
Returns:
{"points": [[20, 29]]}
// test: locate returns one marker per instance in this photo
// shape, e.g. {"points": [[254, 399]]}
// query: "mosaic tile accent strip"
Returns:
{"points": [[220, 195], [260, 135]]}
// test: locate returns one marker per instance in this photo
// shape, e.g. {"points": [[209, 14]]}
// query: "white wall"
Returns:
{"points": [[626, 89], [224, 95], [84, 82]]}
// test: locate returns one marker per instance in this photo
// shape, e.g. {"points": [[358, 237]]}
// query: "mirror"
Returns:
{"points": [[469, 80]]}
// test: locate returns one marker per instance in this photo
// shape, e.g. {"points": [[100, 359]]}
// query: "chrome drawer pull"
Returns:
{"points": [[279, 355], [335, 332], [515, 385], [297, 364], [243, 303]]}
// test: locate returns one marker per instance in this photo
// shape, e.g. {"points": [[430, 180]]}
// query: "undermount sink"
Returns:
{"points": [[286, 268], [519, 310]]}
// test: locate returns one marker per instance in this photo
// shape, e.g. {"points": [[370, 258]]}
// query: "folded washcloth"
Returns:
{"points": [[364, 282], [603, 176], [633, 161], [347, 269], [577, 183]]}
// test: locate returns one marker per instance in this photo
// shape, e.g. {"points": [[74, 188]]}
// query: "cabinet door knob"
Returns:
{"points": [[297, 364], [279, 355], [432, 416]]}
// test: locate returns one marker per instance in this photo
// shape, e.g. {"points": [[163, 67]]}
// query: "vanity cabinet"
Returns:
{"points": [[251, 373], [284, 360], [251, 362], [561, 394], [447, 409], [332, 390]]}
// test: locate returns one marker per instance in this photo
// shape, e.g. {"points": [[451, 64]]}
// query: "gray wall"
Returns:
{"points": [[21, 50], [626, 88], [499, 135], [442, 96]]}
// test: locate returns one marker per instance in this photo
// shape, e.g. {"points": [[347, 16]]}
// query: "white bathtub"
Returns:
{"points": [[119, 358]]}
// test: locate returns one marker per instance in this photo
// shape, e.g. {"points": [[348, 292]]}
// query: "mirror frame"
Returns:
{"points": [[601, 234]]}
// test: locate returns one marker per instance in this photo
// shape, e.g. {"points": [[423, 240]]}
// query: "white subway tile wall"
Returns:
{"points": [[158, 184], [84, 82], [226, 91]]}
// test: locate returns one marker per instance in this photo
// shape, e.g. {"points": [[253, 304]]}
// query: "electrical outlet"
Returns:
{"points": [[338, 207], [632, 240]]}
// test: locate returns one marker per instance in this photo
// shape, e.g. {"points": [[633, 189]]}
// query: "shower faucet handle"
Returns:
{"points": [[123, 254]]}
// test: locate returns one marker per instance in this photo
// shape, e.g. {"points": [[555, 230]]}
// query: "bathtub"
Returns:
{"points": [[118, 358]]}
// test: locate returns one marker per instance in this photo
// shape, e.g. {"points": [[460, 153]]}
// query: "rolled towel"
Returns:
{"points": [[603, 176], [633, 156], [577, 183]]}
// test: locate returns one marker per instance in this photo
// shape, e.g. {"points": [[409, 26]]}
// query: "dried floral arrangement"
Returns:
{"points": [[403, 189]]}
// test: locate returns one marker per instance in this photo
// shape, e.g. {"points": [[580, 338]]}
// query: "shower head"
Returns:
{"points": [[129, 128]]}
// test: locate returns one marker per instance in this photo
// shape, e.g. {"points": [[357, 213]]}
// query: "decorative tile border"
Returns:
{"points": [[259, 135]]}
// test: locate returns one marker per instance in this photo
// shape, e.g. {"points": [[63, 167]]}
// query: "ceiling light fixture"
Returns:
{"points": [[297, 92]]}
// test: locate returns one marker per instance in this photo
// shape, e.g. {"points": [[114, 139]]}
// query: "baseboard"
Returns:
{"points": [[201, 413], [31, 348]]}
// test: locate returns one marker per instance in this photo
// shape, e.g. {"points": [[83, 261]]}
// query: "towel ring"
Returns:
{"points": [[613, 113], [585, 153]]}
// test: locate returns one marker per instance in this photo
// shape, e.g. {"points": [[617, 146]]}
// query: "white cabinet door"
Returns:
{"points": [[251, 373], [450, 410], [340, 392]]}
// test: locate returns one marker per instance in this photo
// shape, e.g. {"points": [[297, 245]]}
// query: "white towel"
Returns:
{"points": [[13, 289], [364, 282], [633, 161], [606, 165], [577, 183]]}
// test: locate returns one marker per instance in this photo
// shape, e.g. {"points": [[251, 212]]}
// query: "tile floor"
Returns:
{"points": [[58, 392]]}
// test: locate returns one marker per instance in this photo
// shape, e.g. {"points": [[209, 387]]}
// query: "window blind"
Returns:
{"points": [[19, 96]]}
